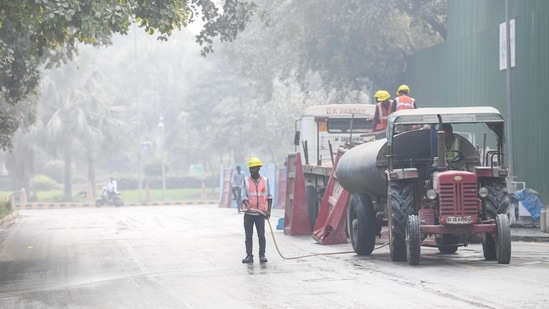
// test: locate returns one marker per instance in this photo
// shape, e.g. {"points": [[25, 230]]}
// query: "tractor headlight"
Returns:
{"points": [[431, 194], [483, 192]]}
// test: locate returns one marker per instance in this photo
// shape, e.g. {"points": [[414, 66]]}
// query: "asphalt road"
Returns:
{"points": [[190, 257]]}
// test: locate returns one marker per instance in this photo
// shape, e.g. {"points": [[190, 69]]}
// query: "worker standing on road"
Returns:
{"points": [[236, 182], [257, 201], [383, 108]]}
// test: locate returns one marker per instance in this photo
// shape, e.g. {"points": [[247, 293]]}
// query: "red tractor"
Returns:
{"points": [[427, 191]]}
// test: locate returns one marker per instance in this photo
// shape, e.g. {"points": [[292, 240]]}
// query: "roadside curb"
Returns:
{"points": [[92, 205], [529, 234], [8, 220], [529, 238]]}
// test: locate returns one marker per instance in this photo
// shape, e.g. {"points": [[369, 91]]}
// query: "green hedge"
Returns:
{"points": [[172, 182], [6, 208], [42, 183]]}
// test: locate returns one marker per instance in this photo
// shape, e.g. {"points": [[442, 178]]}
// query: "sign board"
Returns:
{"points": [[503, 44]]}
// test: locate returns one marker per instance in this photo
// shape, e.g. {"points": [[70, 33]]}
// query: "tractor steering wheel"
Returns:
{"points": [[456, 159]]}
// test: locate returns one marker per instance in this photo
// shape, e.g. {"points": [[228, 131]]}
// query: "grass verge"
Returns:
{"points": [[6, 208], [129, 196]]}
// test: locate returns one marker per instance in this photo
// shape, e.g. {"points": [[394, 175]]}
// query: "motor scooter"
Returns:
{"points": [[109, 198]]}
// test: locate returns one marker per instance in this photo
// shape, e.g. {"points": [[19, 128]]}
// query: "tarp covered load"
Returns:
{"points": [[530, 200]]}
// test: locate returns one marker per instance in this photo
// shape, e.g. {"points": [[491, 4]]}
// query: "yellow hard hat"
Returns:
{"points": [[403, 88], [377, 94], [383, 95], [254, 162]]}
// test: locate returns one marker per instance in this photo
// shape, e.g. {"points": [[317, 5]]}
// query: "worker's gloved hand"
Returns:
{"points": [[267, 216]]}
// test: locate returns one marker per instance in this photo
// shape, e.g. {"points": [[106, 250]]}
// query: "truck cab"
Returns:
{"points": [[322, 129]]}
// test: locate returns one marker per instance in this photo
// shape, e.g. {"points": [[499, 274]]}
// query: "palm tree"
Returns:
{"points": [[77, 112], [106, 129]]}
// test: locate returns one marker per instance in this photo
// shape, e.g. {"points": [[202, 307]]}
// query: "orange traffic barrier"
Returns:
{"points": [[23, 196], [330, 224], [296, 215], [227, 193]]}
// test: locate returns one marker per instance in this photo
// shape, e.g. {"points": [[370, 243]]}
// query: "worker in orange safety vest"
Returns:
{"points": [[383, 108], [257, 202], [403, 99]]}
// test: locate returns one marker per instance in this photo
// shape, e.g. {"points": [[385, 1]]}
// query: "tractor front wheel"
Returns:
{"points": [[503, 239], [489, 247], [413, 240], [401, 205], [496, 203]]}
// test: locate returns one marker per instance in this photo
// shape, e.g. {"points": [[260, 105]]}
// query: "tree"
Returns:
{"points": [[35, 32], [75, 111], [351, 45], [20, 162], [105, 132]]}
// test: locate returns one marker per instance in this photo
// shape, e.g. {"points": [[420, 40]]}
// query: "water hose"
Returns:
{"points": [[307, 255]]}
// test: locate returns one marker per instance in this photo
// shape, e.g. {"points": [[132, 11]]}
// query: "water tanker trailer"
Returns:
{"points": [[426, 192]]}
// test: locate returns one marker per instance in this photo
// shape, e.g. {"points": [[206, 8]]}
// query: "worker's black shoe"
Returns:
{"points": [[263, 259], [248, 259]]}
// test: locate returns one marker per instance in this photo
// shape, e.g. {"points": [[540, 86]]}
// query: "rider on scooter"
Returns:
{"points": [[111, 187]]}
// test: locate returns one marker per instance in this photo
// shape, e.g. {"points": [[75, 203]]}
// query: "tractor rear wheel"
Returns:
{"points": [[503, 239], [413, 240], [312, 205], [489, 247], [497, 201], [401, 205], [363, 224]]}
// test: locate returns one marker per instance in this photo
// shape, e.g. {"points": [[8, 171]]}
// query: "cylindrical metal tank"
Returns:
{"points": [[362, 168], [358, 170]]}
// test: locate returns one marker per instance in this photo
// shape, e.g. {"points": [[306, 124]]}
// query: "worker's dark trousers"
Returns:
{"points": [[259, 221]]}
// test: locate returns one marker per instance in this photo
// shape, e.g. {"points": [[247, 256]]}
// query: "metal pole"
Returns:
{"points": [[162, 150], [509, 93], [139, 145]]}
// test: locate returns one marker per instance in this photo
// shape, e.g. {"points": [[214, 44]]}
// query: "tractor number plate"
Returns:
{"points": [[459, 220]]}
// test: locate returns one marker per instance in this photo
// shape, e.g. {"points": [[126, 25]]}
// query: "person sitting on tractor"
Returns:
{"points": [[454, 153]]}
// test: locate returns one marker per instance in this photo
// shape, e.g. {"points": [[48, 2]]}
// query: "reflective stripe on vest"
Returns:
{"points": [[383, 113], [404, 102], [451, 155], [257, 193], [454, 146]]}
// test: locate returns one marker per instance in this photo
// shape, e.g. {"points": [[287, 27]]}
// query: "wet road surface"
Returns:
{"points": [[190, 257]]}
